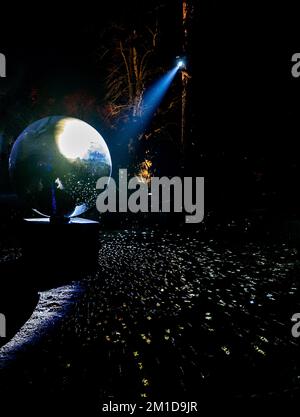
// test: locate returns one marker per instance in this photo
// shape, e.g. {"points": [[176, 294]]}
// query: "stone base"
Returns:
{"points": [[59, 252]]}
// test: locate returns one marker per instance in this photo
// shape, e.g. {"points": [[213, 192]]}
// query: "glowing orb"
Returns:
{"points": [[55, 164]]}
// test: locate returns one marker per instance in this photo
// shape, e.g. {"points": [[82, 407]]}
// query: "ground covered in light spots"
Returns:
{"points": [[167, 316]]}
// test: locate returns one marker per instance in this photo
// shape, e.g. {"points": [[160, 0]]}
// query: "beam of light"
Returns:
{"points": [[156, 92], [152, 99]]}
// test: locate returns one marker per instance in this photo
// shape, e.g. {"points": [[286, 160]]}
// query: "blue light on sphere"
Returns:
{"points": [[55, 164]]}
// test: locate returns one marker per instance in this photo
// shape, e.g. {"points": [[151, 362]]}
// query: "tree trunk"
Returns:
{"points": [[186, 15]]}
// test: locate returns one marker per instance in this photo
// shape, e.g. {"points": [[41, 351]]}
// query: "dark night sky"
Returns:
{"points": [[64, 41]]}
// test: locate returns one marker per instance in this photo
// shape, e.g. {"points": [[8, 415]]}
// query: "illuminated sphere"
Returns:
{"points": [[55, 164]]}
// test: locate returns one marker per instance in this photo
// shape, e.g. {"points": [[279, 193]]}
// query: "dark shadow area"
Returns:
{"points": [[18, 297]]}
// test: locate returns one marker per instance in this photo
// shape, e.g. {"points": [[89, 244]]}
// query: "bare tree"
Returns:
{"points": [[129, 71], [130, 57]]}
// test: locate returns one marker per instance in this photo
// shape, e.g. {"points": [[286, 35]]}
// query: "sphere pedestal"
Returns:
{"points": [[55, 252]]}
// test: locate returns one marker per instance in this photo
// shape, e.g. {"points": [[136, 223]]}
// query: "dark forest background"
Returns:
{"points": [[243, 105]]}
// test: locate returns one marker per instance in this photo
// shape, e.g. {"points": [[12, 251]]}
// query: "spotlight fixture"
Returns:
{"points": [[180, 62]]}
